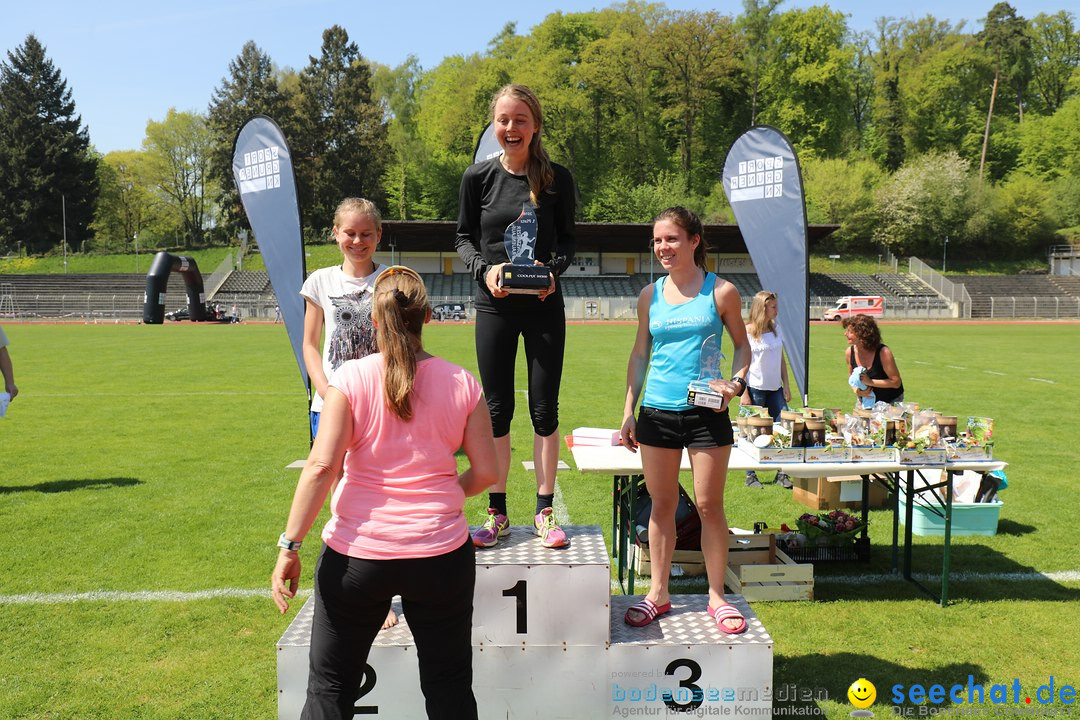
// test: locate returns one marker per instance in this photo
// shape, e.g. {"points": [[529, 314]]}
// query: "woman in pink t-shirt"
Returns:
{"points": [[391, 423]]}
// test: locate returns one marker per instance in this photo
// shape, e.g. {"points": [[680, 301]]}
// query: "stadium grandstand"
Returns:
{"points": [[612, 265]]}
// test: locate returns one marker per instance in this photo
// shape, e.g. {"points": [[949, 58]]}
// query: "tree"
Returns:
{"points": [[754, 23], [250, 89], [1006, 39], [341, 151], [396, 90], [808, 82], [841, 192], [47, 169], [127, 205], [923, 202], [624, 136], [945, 95], [862, 84], [696, 56], [887, 133], [178, 150], [1055, 50]]}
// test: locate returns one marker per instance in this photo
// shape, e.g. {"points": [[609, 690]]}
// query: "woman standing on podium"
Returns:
{"points": [[676, 314], [495, 195], [390, 426]]}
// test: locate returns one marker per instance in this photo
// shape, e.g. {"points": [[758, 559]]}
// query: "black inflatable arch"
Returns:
{"points": [[157, 280]]}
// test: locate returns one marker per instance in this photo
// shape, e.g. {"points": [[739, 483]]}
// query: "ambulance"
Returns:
{"points": [[872, 305]]}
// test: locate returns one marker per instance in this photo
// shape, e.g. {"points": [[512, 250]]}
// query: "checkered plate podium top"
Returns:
{"points": [[298, 634], [522, 547], [688, 623]]}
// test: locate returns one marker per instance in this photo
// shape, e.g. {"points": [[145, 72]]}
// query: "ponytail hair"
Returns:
{"points": [[540, 173], [400, 308]]}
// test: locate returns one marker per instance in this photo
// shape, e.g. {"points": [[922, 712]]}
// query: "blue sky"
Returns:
{"points": [[127, 62]]}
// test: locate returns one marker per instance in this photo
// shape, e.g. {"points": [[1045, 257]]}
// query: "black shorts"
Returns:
{"points": [[694, 428]]}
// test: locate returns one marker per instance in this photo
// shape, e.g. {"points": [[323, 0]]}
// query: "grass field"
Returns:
{"points": [[143, 484]]}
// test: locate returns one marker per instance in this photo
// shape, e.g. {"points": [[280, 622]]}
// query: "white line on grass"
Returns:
{"points": [[1042, 380], [878, 579], [956, 367], [558, 507], [101, 596], [993, 372], [136, 596], [158, 394]]}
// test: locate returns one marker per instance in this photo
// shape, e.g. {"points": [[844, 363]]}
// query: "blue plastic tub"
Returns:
{"points": [[967, 518]]}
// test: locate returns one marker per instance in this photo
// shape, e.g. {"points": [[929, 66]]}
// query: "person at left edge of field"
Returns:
{"points": [[494, 194], [676, 314], [392, 425], [6, 368], [337, 303], [767, 379]]}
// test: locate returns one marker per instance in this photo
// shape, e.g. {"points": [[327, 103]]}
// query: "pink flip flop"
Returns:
{"points": [[648, 610], [727, 612]]}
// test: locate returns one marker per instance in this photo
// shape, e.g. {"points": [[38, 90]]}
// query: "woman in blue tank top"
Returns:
{"points": [[675, 316]]}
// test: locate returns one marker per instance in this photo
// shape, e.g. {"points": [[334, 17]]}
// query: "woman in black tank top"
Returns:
{"points": [[882, 377]]}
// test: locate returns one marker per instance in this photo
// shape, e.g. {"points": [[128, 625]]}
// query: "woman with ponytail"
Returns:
{"points": [[494, 194], [390, 426]]}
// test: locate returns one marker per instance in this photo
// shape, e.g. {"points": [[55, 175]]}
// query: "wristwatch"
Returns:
{"points": [[741, 382], [286, 544]]}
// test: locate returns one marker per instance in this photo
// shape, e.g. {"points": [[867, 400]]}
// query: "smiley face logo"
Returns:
{"points": [[862, 693]]}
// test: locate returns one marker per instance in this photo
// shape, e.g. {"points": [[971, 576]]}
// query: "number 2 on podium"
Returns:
{"points": [[519, 592]]}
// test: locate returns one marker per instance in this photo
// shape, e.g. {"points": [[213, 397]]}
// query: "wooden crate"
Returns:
{"points": [[757, 569]]}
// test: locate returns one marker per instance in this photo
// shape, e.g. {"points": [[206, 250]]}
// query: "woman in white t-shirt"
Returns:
{"points": [[767, 380], [338, 299]]}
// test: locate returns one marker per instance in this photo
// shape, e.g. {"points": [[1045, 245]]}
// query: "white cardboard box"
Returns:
{"points": [[772, 454]]}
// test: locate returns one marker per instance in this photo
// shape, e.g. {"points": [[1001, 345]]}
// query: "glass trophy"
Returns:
{"points": [[699, 393], [522, 275]]}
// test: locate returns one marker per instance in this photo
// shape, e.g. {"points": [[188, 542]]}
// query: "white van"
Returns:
{"points": [[872, 305]]}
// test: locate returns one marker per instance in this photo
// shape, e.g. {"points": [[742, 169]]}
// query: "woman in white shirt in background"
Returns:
{"points": [[767, 380]]}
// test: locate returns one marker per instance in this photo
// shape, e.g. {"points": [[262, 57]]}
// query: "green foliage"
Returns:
{"points": [[127, 207], [807, 83], [1055, 48], [946, 96], [48, 173], [1006, 37], [1022, 218], [178, 154], [922, 203], [841, 192], [251, 88], [640, 102], [1050, 146], [621, 201], [341, 145]]}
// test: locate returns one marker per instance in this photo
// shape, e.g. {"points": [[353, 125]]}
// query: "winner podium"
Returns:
{"points": [[549, 641]]}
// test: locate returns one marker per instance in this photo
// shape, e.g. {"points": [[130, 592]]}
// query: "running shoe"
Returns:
{"points": [[496, 526], [783, 480], [551, 535]]}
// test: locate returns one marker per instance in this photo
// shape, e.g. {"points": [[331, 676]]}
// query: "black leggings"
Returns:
{"points": [[352, 597], [544, 330]]}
